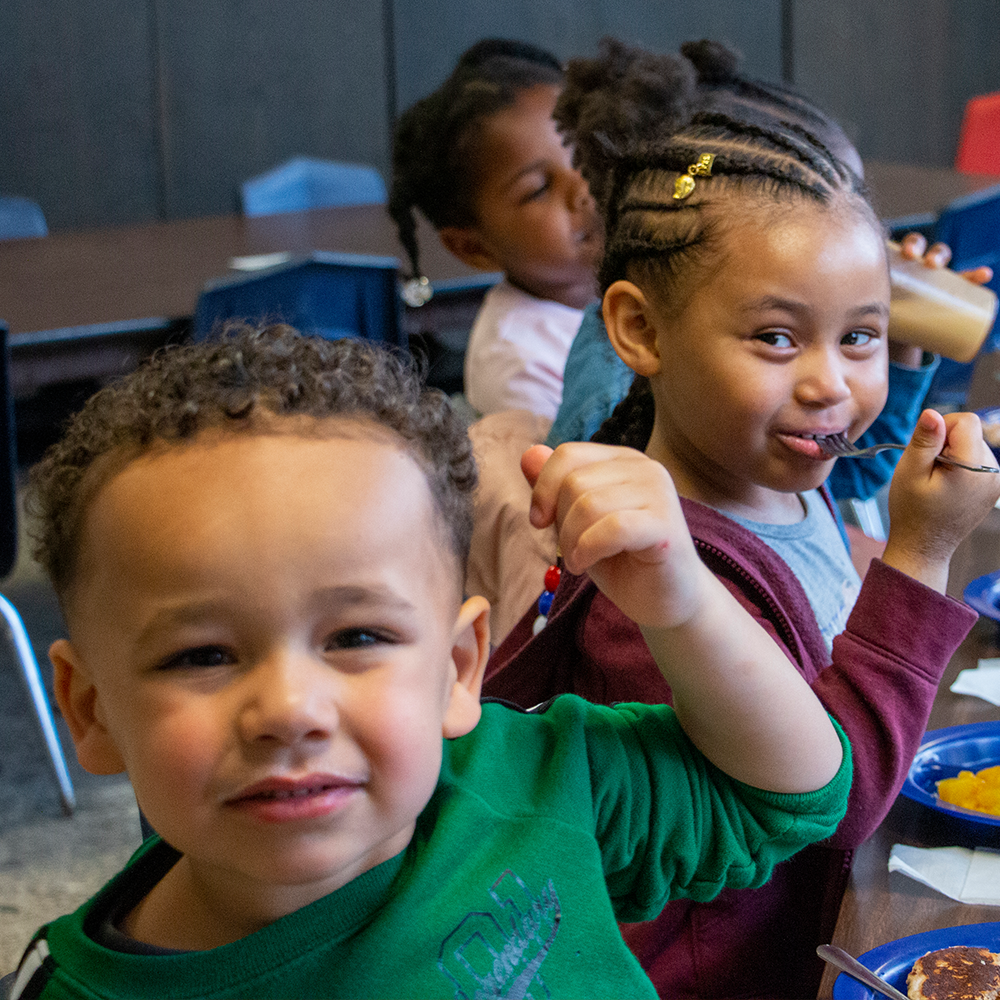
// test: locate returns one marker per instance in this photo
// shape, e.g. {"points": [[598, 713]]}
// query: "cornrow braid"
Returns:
{"points": [[723, 88], [631, 423], [433, 158], [633, 146], [764, 158]]}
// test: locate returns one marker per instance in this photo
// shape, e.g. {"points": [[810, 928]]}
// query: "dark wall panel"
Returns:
{"points": [[897, 73], [431, 35], [76, 109], [248, 83], [115, 111]]}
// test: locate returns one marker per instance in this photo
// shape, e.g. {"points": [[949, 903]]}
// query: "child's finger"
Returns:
{"points": [[938, 255], [978, 275], [606, 519], [548, 471], [637, 532], [913, 245], [533, 460], [929, 434], [965, 440]]}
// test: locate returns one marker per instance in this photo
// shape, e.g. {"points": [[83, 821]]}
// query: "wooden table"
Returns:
{"points": [[902, 190], [91, 304], [157, 269], [84, 305], [879, 907]]}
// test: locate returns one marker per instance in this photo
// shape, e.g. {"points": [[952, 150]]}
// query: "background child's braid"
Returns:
{"points": [[433, 162]]}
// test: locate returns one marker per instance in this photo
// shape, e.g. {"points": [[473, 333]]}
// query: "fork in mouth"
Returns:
{"points": [[837, 446]]}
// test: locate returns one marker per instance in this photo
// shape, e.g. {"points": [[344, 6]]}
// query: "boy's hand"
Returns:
{"points": [[735, 692], [933, 507], [619, 519]]}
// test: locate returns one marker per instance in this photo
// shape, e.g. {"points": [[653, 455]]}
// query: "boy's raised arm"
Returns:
{"points": [[738, 697]]}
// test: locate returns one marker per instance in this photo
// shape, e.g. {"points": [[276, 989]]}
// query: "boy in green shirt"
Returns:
{"points": [[259, 548]]}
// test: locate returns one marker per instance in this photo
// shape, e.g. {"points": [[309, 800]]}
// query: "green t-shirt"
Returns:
{"points": [[546, 828]]}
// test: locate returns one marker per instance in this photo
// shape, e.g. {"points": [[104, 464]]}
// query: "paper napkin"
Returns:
{"points": [[258, 261], [982, 681], [969, 876]]}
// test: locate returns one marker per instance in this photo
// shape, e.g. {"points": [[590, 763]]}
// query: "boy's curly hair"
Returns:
{"points": [[230, 382]]}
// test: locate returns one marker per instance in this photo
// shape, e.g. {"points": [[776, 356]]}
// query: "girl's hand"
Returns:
{"points": [[933, 507], [619, 519]]}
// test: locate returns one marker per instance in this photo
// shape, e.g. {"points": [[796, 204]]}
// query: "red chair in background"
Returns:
{"points": [[979, 140]]}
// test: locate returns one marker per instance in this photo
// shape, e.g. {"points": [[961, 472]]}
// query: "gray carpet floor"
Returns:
{"points": [[49, 863]]}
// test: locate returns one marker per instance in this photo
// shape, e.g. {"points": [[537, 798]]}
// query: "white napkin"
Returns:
{"points": [[257, 262], [970, 876], [982, 681]]}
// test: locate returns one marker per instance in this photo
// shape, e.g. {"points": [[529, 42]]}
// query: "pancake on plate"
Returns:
{"points": [[959, 973]]}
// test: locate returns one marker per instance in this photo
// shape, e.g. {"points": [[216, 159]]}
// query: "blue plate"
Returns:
{"points": [[894, 960], [945, 752]]}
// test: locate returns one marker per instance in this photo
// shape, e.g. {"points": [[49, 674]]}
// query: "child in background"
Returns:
{"points": [[745, 280], [481, 158], [258, 546]]}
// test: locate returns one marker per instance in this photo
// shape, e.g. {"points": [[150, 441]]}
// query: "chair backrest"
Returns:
{"points": [[20, 217], [331, 295], [304, 182], [971, 227], [979, 139], [8, 462]]}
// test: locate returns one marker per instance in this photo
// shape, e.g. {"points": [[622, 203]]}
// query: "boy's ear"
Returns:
{"points": [[466, 243], [80, 704], [631, 327], [469, 653]]}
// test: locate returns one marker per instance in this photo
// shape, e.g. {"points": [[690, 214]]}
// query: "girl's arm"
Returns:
{"points": [[738, 697]]}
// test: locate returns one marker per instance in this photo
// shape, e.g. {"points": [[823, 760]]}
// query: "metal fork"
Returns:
{"points": [[838, 446], [856, 970]]}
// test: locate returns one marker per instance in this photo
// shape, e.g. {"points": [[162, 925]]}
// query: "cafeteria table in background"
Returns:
{"points": [[85, 306]]}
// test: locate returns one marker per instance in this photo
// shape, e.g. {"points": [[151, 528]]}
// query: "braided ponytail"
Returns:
{"points": [[631, 423]]}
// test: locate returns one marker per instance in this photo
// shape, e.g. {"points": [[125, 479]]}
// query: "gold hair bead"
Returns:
{"points": [[684, 184]]}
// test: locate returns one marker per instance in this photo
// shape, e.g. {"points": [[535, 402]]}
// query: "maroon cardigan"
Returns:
{"points": [[880, 686]]}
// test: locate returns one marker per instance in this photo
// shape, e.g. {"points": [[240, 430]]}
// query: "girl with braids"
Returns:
{"points": [[508, 558], [745, 282], [596, 379], [481, 158]]}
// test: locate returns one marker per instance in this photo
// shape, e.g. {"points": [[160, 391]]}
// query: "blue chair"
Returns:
{"points": [[20, 217], [971, 227], [304, 182], [331, 295], [8, 554]]}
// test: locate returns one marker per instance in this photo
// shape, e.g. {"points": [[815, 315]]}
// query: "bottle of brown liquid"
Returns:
{"points": [[937, 309]]}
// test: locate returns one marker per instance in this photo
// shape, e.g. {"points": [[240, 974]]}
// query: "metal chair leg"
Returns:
{"points": [[36, 689]]}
